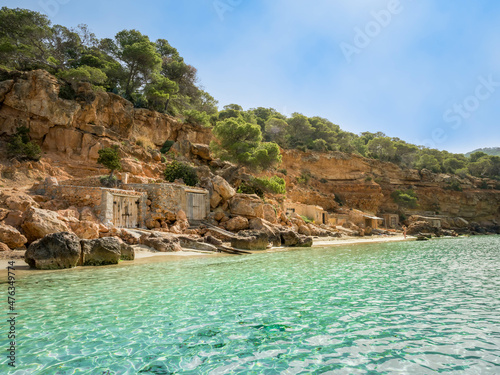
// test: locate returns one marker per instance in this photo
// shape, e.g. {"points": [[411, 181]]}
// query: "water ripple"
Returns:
{"points": [[402, 308]]}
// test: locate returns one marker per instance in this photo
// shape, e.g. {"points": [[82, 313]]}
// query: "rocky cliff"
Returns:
{"points": [[77, 129], [367, 184], [71, 132]]}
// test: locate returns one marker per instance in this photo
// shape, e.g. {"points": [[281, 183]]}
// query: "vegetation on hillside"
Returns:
{"points": [[178, 170], [152, 74], [111, 159], [21, 147], [492, 151]]}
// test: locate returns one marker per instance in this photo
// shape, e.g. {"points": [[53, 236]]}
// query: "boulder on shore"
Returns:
{"points": [[161, 243], [54, 251], [290, 238], [100, 251], [11, 236], [39, 222], [127, 252], [251, 240]]}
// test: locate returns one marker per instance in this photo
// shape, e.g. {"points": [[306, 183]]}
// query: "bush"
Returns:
{"points": [[110, 158], [274, 185], [145, 142], [195, 117], [109, 181], [177, 170], [20, 147], [454, 185], [323, 180], [67, 92], [406, 198], [306, 219], [284, 171], [304, 178], [484, 185], [368, 178], [166, 146]]}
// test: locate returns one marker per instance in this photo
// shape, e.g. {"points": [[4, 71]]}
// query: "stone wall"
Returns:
{"points": [[167, 198], [99, 199]]}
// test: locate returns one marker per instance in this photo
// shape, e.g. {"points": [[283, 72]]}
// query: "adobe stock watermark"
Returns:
{"points": [[459, 112], [364, 36], [51, 7], [223, 6]]}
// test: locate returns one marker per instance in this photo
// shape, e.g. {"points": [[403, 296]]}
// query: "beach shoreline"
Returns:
{"points": [[144, 255]]}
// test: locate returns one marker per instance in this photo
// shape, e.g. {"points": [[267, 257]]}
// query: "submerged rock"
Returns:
{"points": [[54, 251]]}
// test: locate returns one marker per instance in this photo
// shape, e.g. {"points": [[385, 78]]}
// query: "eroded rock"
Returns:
{"points": [[11, 236], [54, 251]]}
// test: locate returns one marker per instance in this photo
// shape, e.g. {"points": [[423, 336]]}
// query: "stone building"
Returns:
{"points": [[391, 221], [135, 204], [171, 198], [312, 212]]}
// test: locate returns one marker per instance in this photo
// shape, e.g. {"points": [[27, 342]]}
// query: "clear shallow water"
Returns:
{"points": [[413, 307]]}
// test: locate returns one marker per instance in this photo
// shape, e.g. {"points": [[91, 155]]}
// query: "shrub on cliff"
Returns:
{"points": [[178, 170], [406, 198], [20, 147], [274, 185], [110, 158], [240, 141]]}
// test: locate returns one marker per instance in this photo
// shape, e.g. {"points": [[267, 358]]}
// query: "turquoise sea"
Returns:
{"points": [[395, 308]]}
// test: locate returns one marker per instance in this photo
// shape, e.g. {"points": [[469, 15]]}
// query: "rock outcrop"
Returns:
{"points": [[54, 251]]}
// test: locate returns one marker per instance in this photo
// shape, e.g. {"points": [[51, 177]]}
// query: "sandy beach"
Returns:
{"points": [[144, 255]]}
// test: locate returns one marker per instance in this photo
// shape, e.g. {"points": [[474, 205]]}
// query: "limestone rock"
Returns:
{"points": [[20, 202], [127, 252], [14, 219], [251, 240], [190, 243], [252, 206], [418, 227], [222, 187], [39, 222], [87, 230], [161, 243], [11, 236], [237, 223], [54, 251], [215, 199], [87, 214], [303, 229], [101, 251], [202, 151], [292, 239], [3, 247]]}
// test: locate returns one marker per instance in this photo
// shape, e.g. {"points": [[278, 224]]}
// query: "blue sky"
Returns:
{"points": [[425, 71]]}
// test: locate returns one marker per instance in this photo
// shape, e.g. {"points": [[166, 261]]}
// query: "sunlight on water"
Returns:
{"points": [[413, 307]]}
